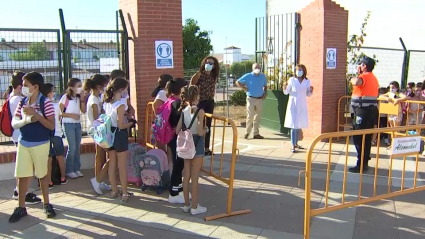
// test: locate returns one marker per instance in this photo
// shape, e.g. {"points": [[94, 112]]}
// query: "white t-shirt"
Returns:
{"points": [[73, 108], [14, 101], [93, 100], [161, 96], [188, 116], [111, 109], [58, 126]]}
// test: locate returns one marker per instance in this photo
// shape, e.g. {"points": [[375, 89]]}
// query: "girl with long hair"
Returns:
{"points": [[118, 153], [190, 98], [71, 106]]}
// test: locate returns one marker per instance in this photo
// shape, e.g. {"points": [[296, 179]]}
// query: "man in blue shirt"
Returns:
{"points": [[255, 85]]}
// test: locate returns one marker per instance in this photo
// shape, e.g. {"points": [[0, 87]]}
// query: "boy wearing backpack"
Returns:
{"points": [[35, 118], [11, 104]]}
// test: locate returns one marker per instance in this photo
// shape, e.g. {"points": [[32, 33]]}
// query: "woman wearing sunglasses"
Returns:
{"points": [[206, 79]]}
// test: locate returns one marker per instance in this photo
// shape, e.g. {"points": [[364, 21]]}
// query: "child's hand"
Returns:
{"points": [[75, 116], [395, 102], [29, 111]]}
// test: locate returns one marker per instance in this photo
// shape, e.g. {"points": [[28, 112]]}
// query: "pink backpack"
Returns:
{"points": [[155, 172], [162, 130], [185, 145]]}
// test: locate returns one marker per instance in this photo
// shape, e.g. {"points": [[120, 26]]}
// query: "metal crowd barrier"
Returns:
{"points": [[209, 171], [403, 146]]}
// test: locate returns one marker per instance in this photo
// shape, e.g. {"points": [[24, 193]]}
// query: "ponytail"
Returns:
{"points": [[155, 91], [109, 95], [88, 85]]}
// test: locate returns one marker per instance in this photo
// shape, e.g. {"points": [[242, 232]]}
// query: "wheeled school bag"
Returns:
{"points": [[155, 172], [135, 154]]}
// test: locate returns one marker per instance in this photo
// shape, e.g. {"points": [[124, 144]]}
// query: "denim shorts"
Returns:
{"points": [[120, 141], [56, 146], [199, 145]]}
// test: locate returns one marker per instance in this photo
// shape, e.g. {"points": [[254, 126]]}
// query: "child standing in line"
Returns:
{"points": [[33, 147], [396, 97], [190, 98], [57, 148], [115, 108], [96, 85], [383, 121], [71, 107]]}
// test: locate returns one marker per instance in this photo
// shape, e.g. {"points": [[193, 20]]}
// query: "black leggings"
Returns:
{"points": [[208, 107], [178, 166]]}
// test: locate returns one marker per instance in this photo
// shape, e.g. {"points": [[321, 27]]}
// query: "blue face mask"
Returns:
{"points": [[300, 73], [208, 67]]}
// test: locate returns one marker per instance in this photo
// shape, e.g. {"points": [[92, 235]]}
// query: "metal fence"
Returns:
{"points": [[276, 46], [61, 54], [416, 66]]}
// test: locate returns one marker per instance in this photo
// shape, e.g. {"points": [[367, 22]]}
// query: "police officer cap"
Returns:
{"points": [[369, 62]]}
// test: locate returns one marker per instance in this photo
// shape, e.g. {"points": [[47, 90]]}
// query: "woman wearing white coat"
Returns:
{"points": [[296, 118]]}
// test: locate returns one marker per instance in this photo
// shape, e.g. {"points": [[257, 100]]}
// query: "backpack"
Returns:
{"points": [[162, 130], [6, 119], [185, 144], [101, 131], [135, 153], [42, 102], [155, 172]]}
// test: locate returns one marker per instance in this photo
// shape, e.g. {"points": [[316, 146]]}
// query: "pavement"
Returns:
{"points": [[266, 181]]}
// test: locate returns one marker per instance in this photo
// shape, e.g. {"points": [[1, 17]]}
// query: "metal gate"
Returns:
{"points": [[87, 52], [276, 46]]}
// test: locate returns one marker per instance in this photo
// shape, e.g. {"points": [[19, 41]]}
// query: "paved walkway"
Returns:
{"points": [[266, 183]]}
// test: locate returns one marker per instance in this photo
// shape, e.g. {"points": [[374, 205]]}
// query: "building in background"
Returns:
{"points": [[232, 54]]}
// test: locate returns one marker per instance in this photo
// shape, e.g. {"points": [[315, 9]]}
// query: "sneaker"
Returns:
{"points": [[17, 214], [96, 186], [258, 136], [246, 136], [190, 195], [356, 169], [51, 185], [186, 209], [198, 210], [64, 181], [48, 210], [105, 186], [79, 174], [31, 198], [15, 195], [176, 199], [72, 175]]}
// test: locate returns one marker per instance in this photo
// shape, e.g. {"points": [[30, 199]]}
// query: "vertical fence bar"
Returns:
{"points": [[60, 70], [64, 48], [256, 40], [124, 40]]}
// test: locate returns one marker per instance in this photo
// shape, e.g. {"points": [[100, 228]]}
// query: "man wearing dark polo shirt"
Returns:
{"points": [[255, 85]]}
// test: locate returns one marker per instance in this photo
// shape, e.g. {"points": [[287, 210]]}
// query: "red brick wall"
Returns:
{"points": [[324, 25], [147, 21]]}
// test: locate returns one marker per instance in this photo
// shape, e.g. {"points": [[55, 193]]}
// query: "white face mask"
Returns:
{"points": [[26, 91], [256, 71], [393, 90], [78, 90], [300, 73]]}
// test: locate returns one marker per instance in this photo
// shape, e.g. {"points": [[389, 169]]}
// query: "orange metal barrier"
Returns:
{"points": [[344, 113], [361, 199], [209, 171]]}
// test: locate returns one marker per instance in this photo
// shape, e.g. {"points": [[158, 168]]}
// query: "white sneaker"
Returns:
{"points": [[198, 210], [96, 186], [79, 174], [176, 199], [72, 175], [182, 194], [105, 186], [186, 208]]}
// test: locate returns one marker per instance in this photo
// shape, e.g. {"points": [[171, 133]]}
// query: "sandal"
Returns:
{"points": [[126, 197], [299, 147], [115, 194]]}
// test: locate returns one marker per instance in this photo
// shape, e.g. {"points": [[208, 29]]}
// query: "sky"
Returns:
{"points": [[232, 22]]}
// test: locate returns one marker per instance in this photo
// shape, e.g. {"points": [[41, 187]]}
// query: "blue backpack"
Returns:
{"points": [[101, 131], [42, 102]]}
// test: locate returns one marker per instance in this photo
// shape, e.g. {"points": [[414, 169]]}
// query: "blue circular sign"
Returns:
{"points": [[163, 50], [331, 55]]}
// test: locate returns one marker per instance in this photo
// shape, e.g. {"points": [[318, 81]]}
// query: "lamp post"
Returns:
{"points": [[270, 57]]}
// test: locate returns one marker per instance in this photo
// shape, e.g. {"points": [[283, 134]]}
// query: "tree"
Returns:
{"points": [[37, 51], [196, 44], [238, 69]]}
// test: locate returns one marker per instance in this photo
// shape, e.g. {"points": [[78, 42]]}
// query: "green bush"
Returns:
{"points": [[238, 98]]}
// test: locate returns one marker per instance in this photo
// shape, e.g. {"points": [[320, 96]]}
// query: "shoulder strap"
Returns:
{"points": [[42, 101], [194, 117], [183, 124], [23, 101]]}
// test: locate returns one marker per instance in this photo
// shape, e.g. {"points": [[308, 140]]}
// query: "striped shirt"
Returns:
{"points": [[49, 110]]}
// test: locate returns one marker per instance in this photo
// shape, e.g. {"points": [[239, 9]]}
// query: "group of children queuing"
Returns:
{"points": [[409, 113], [40, 125]]}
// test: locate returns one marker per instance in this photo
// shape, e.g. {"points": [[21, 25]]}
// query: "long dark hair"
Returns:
{"points": [[189, 95], [71, 83], [215, 71], [114, 86], [94, 81], [162, 82], [174, 86]]}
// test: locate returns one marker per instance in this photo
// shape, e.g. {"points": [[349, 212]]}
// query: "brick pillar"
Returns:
{"points": [[147, 21], [324, 25]]}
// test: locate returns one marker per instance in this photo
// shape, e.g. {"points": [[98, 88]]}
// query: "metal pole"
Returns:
{"points": [[227, 94], [404, 69]]}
